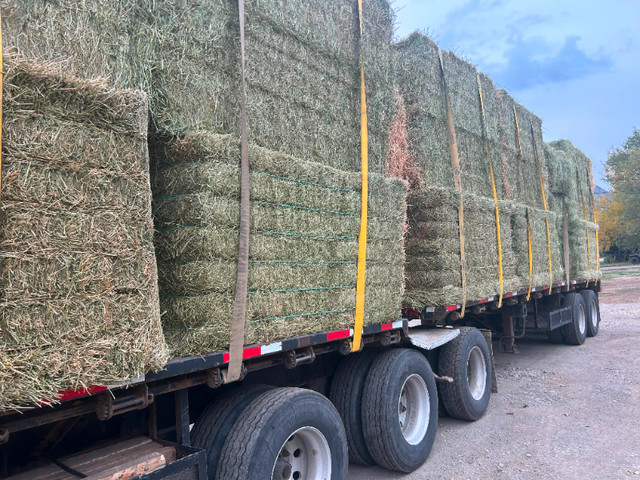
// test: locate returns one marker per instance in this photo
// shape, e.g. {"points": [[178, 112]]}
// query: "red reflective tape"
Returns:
{"points": [[449, 308], [69, 394], [484, 300], [225, 357], [386, 326], [338, 334], [509, 294], [81, 392], [252, 352]]}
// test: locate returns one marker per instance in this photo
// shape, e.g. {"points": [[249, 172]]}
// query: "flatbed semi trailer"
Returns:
{"points": [[304, 406]]}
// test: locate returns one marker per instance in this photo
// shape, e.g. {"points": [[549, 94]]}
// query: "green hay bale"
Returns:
{"points": [[433, 249], [78, 295], [571, 187], [417, 73], [303, 65], [50, 344], [539, 245], [303, 243]]}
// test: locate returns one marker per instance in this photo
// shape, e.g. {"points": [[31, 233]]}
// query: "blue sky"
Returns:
{"points": [[575, 63]]}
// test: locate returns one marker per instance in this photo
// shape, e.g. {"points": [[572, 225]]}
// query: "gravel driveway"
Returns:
{"points": [[561, 412]]}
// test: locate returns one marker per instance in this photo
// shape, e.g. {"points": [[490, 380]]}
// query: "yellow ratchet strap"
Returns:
{"points": [[544, 204], [362, 241], [457, 181], [595, 220], [495, 193], [515, 116]]}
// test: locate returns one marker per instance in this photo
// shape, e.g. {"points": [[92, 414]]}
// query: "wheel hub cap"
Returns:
{"points": [[304, 456], [476, 373], [414, 409]]}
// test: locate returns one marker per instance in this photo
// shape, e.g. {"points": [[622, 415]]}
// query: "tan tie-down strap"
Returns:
{"points": [[457, 181], [495, 192], [544, 204], [236, 343], [586, 219]]}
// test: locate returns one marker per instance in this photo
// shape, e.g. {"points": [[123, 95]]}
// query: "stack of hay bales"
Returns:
{"points": [[303, 111], [433, 249], [433, 246], [303, 100], [571, 195], [302, 65], [305, 221], [78, 289], [303, 75]]}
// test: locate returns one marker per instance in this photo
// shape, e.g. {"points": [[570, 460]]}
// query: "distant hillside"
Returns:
{"points": [[599, 192]]}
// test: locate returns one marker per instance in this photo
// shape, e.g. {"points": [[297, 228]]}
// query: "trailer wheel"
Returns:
{"points": [[214, 424], [575, 332], [286, 433], [346, 394], [467, 360], [400, 409], [592, 310]]}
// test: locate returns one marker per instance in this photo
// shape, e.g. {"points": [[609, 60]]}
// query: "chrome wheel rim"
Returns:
{"points": [[594, 314], [582, 319], [304, 456], [476, 373], [414, 409]]}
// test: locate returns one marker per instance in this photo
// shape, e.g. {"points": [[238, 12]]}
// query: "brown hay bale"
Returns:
{"points": [[400, 163]]}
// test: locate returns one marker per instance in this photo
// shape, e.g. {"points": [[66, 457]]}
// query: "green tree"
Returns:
{"points": [[623, 174]]}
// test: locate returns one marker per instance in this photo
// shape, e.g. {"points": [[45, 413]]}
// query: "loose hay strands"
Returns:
{"points": [[303, 245], [78, 295]]}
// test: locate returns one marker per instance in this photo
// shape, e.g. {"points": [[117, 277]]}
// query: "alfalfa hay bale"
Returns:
{"points": [[303, 243], [78, 295], [433, 270], [302, 61], [570, 181]]}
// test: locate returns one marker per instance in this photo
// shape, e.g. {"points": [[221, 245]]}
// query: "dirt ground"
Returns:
{"points": [[561, 411]]}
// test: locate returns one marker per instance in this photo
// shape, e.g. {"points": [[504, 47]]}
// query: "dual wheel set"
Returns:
{"points": [[585, 318], [382, 409]]}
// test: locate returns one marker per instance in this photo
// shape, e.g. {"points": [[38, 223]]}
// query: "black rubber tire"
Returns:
{"points": [[214, 424], [591, 302], [258, 435], [346, 394], [380, 421], [572, 332], [454, 363], [634, 260]]}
